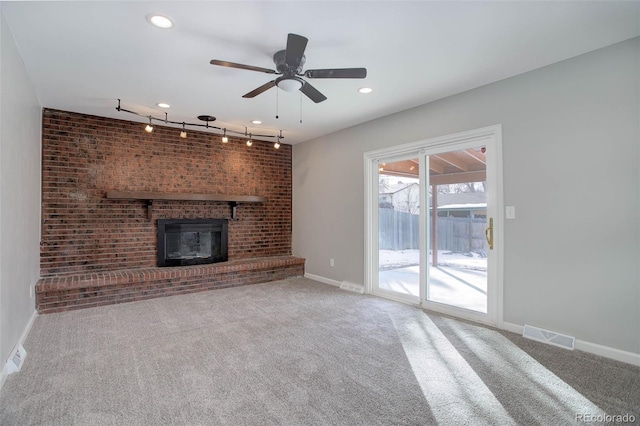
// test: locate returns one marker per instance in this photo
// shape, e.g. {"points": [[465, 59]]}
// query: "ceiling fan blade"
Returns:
{"points": [[241, 66], [312, 93], [294, 52], [263, 88], [337, 73]]}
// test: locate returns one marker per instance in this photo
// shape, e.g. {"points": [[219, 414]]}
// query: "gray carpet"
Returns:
{"points": [[298, 352]]}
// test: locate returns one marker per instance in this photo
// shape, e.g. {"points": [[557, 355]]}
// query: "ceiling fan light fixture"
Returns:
{"points": [[289, 84]]}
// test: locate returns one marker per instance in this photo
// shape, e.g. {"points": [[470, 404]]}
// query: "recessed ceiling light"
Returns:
{"points": [[160, 21], [365, 90], [163, 105], [256, 122]]}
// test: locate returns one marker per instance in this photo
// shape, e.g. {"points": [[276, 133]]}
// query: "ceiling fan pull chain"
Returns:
{"points": [[300, 107], [277, 101]]}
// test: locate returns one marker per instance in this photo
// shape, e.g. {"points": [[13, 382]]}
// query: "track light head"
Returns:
{"points": [[148, 128]]}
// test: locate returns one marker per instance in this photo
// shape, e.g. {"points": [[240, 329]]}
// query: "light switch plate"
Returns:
{"points": [[510, 212]]}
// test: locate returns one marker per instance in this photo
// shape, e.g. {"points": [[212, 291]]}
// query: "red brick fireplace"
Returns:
{"points": [[97, 250]]}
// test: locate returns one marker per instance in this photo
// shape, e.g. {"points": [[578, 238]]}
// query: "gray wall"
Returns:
{"points": [[570, 161], [20, 121]]}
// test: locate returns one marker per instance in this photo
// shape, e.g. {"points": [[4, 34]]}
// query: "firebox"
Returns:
{"points": [[191, 241]]}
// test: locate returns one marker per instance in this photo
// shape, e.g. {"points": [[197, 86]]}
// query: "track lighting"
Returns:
{"points": [[149, 128], [207, 119]]}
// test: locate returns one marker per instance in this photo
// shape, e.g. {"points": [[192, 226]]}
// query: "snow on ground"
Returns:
{"points": [[459, 280], [392, 259]]}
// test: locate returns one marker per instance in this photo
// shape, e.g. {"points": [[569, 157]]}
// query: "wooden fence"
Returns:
{"points": [[401, 231]]}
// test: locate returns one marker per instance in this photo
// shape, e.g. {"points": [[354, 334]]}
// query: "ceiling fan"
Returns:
{"points": [[289, 63]]}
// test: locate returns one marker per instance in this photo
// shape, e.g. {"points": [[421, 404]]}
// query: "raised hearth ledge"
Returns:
{"points": [[67, 292]]}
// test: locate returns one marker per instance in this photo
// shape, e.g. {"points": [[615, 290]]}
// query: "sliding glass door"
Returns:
{"points": [[457, 221], [432, 217], [399, 195]]}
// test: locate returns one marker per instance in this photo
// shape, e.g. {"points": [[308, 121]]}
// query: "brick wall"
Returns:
{"points": [[84, 156]]}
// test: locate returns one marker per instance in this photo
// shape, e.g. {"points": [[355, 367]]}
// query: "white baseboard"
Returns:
{"points": [[323, 279], [592, 348], [608, 352], [4, 373], [344, 285]]}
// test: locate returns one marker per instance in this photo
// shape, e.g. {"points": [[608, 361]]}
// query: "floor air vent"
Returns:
{"points": [[14, 364], [357, 288], [549, 337]]}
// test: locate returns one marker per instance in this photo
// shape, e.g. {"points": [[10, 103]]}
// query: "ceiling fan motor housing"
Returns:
{"points": [[283, 68]]}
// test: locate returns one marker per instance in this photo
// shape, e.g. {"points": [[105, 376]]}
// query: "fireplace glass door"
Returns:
{"points": [[191, 241]]}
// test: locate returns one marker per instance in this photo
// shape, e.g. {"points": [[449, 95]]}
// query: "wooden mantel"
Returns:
{"points": [[182, 196], [150, 196]]}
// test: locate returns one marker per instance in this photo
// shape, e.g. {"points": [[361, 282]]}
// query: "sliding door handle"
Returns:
{"points": [[488, 233]]}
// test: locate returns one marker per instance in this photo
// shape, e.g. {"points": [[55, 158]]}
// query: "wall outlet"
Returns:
{"points": [[510, 212], [332, 263]]}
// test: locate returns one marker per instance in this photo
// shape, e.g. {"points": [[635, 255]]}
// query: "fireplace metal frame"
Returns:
{"points": [[216, 223]]}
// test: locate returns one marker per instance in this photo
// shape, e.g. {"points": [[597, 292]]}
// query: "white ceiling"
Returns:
{"points": [[82, 56]]}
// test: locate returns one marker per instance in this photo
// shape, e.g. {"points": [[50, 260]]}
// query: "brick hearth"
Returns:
{"points": [[63, 293]]}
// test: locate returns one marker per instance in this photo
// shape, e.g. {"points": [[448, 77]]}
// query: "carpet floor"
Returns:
{"points": [[298, 352]]}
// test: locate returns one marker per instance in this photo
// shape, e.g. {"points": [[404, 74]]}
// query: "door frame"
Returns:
{"points": [[487, 135]]}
